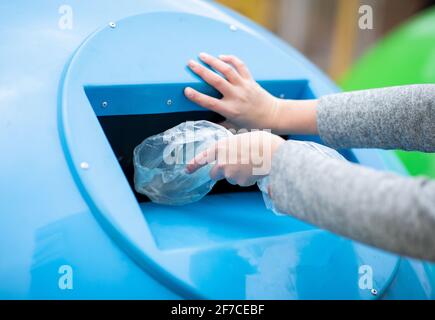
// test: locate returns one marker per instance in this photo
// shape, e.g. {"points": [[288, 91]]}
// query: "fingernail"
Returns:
{"points": [[192, 63], [204, 55], [189, 168], [188, 92]]}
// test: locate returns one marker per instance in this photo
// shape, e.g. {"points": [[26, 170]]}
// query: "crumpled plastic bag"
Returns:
{"points": [[160, 163], [263, 184]]}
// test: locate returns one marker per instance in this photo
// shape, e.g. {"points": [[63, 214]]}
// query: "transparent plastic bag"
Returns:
{"points": [[160, 163], [263, 184]]}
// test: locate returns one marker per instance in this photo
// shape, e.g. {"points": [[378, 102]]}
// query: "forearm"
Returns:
{"points": [[296, 117], [389, 118], [381, 209]]}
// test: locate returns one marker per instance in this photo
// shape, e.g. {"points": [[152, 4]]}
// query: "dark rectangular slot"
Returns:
{"points": [[130, 113], [126, 132]]}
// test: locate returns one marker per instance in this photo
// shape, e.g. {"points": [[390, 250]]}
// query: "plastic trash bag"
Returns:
{"points": [[263, 184], [160, 163]]}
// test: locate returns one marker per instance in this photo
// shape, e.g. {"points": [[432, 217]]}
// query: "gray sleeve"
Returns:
{"points": [[389, 118], [377, 208]]}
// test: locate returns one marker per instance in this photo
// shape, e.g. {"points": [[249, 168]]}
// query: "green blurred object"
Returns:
{"points": [[407, 56]]}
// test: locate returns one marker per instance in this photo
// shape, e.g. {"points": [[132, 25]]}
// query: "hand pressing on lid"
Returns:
{"points": [[245, 104]]}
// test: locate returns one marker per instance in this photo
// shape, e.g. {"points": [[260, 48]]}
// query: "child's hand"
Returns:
{"points": [[242, 159], [245, 103]]}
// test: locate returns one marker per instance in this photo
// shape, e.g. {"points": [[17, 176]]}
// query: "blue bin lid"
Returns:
{"points": [[226, 246]]}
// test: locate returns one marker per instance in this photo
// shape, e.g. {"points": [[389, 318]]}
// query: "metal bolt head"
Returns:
{"points": [[112, 24], [84, 165], [169, 102], [374, 292], [104, 104], [233, 27]]}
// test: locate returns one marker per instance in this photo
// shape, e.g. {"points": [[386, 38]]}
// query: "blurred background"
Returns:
{"points": [[326, 31], [398, 50]]}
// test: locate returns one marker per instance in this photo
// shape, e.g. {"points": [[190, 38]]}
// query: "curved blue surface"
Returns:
{"points": [[66, 202]]}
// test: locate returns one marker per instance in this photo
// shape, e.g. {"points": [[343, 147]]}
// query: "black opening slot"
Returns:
{"points": [[125, 132]]}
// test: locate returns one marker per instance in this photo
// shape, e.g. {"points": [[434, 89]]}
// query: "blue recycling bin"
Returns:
{"points": [[80, 86]]}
